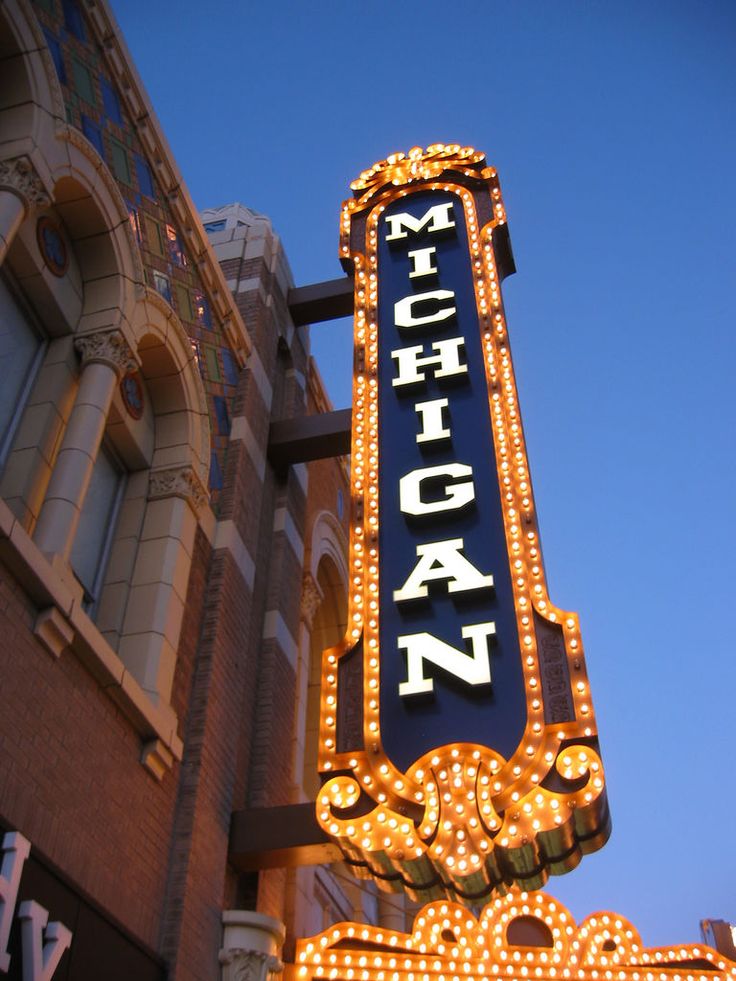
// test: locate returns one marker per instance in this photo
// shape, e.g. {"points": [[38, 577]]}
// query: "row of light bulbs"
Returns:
{"points": [[447, 944]]}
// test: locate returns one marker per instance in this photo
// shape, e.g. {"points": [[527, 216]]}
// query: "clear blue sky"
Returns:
{"points": [[612, 128]]}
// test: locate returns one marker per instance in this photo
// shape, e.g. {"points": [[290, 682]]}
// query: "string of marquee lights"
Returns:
{"points": [[462, 820], [448, 943]]}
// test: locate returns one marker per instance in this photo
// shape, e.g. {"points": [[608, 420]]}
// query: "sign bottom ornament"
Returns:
{"points": [[519, 936], [458, 741]]}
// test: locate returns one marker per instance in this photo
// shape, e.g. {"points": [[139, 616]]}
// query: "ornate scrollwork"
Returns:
{"points": [[417, 164], [473, 833], [19, 175], [107, 347], [311, 599], [249, 965], [177, 482]]}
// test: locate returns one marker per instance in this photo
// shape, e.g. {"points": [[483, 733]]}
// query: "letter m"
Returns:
{"points": [[436, 219], [473, 669]]}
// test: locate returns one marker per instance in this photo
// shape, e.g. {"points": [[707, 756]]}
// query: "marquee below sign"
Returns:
{"points": [[520, 936], [457, 736]]}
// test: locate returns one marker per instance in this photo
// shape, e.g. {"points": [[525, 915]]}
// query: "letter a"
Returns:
{"points": [[442, 560]]}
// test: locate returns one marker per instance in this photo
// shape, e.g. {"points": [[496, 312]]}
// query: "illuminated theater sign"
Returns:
{"points": [[457, 735]]}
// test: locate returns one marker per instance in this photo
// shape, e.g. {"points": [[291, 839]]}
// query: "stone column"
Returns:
{"points": [[106, 357], [310, 601], [149, 638], [251, 944], [20, 190]]}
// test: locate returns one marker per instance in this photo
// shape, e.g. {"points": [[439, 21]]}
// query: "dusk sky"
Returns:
{"points": [[612, 129]]}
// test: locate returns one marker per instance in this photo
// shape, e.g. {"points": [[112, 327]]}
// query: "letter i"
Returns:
{"points": [[430, 415]]}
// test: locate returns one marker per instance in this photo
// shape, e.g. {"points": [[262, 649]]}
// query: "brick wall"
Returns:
{"points": [[71, 779]]}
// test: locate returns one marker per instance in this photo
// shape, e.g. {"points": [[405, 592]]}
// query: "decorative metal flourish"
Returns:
{"points": [[417, 164]]}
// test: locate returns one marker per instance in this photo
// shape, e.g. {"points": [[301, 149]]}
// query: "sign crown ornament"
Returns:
{"points": [[401, 169], [458, 741]]}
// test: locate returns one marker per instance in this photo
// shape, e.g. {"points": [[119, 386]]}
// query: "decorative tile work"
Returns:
{"points": [[95, 107]]}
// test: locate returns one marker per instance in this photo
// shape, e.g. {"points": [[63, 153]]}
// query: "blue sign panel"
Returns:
{"points": [[443, 306]]}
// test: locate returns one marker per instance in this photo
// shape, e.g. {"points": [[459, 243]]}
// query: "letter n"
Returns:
{"points": [[473, 669]]}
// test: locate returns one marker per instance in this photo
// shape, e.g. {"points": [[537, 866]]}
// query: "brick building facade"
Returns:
{"points": [[165, 590]]}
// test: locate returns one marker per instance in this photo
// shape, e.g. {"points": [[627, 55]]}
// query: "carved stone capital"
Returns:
{"points": [[178, 482], [250, 946], [19, 176], [249, 965], [311, 599], [107, 347]]}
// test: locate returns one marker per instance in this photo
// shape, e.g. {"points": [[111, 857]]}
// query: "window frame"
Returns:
{"points": [[93, 592], [7, 437]]}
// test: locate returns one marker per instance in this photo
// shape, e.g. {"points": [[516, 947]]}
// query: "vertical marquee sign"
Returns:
{"points": [[457, 736]]}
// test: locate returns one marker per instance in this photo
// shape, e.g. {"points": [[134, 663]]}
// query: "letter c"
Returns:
{"points": [[403, 310]]}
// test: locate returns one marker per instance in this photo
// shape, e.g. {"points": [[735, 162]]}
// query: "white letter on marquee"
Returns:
{"points": [[431, 417], [456, 495], [403, 310], [42, 949], [442, 560], [447, 357], [16, 849], [422, 262], [474, 669], [437, 219]]}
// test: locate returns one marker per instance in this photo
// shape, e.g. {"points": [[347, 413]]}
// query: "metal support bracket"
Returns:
{"points": [[279, 837], [321, 301], [307, 438]]}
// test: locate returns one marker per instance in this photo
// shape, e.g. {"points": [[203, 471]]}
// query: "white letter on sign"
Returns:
{"points": [[474, 669], [456, 495], [442, 560], [431, 415], [42, 949], [447, 357], [422, 260], [404, 312], [15, 851], [437, 219]]}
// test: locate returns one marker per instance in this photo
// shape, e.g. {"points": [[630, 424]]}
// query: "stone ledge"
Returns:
{"points": [[53, 630], [63, 623]]}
